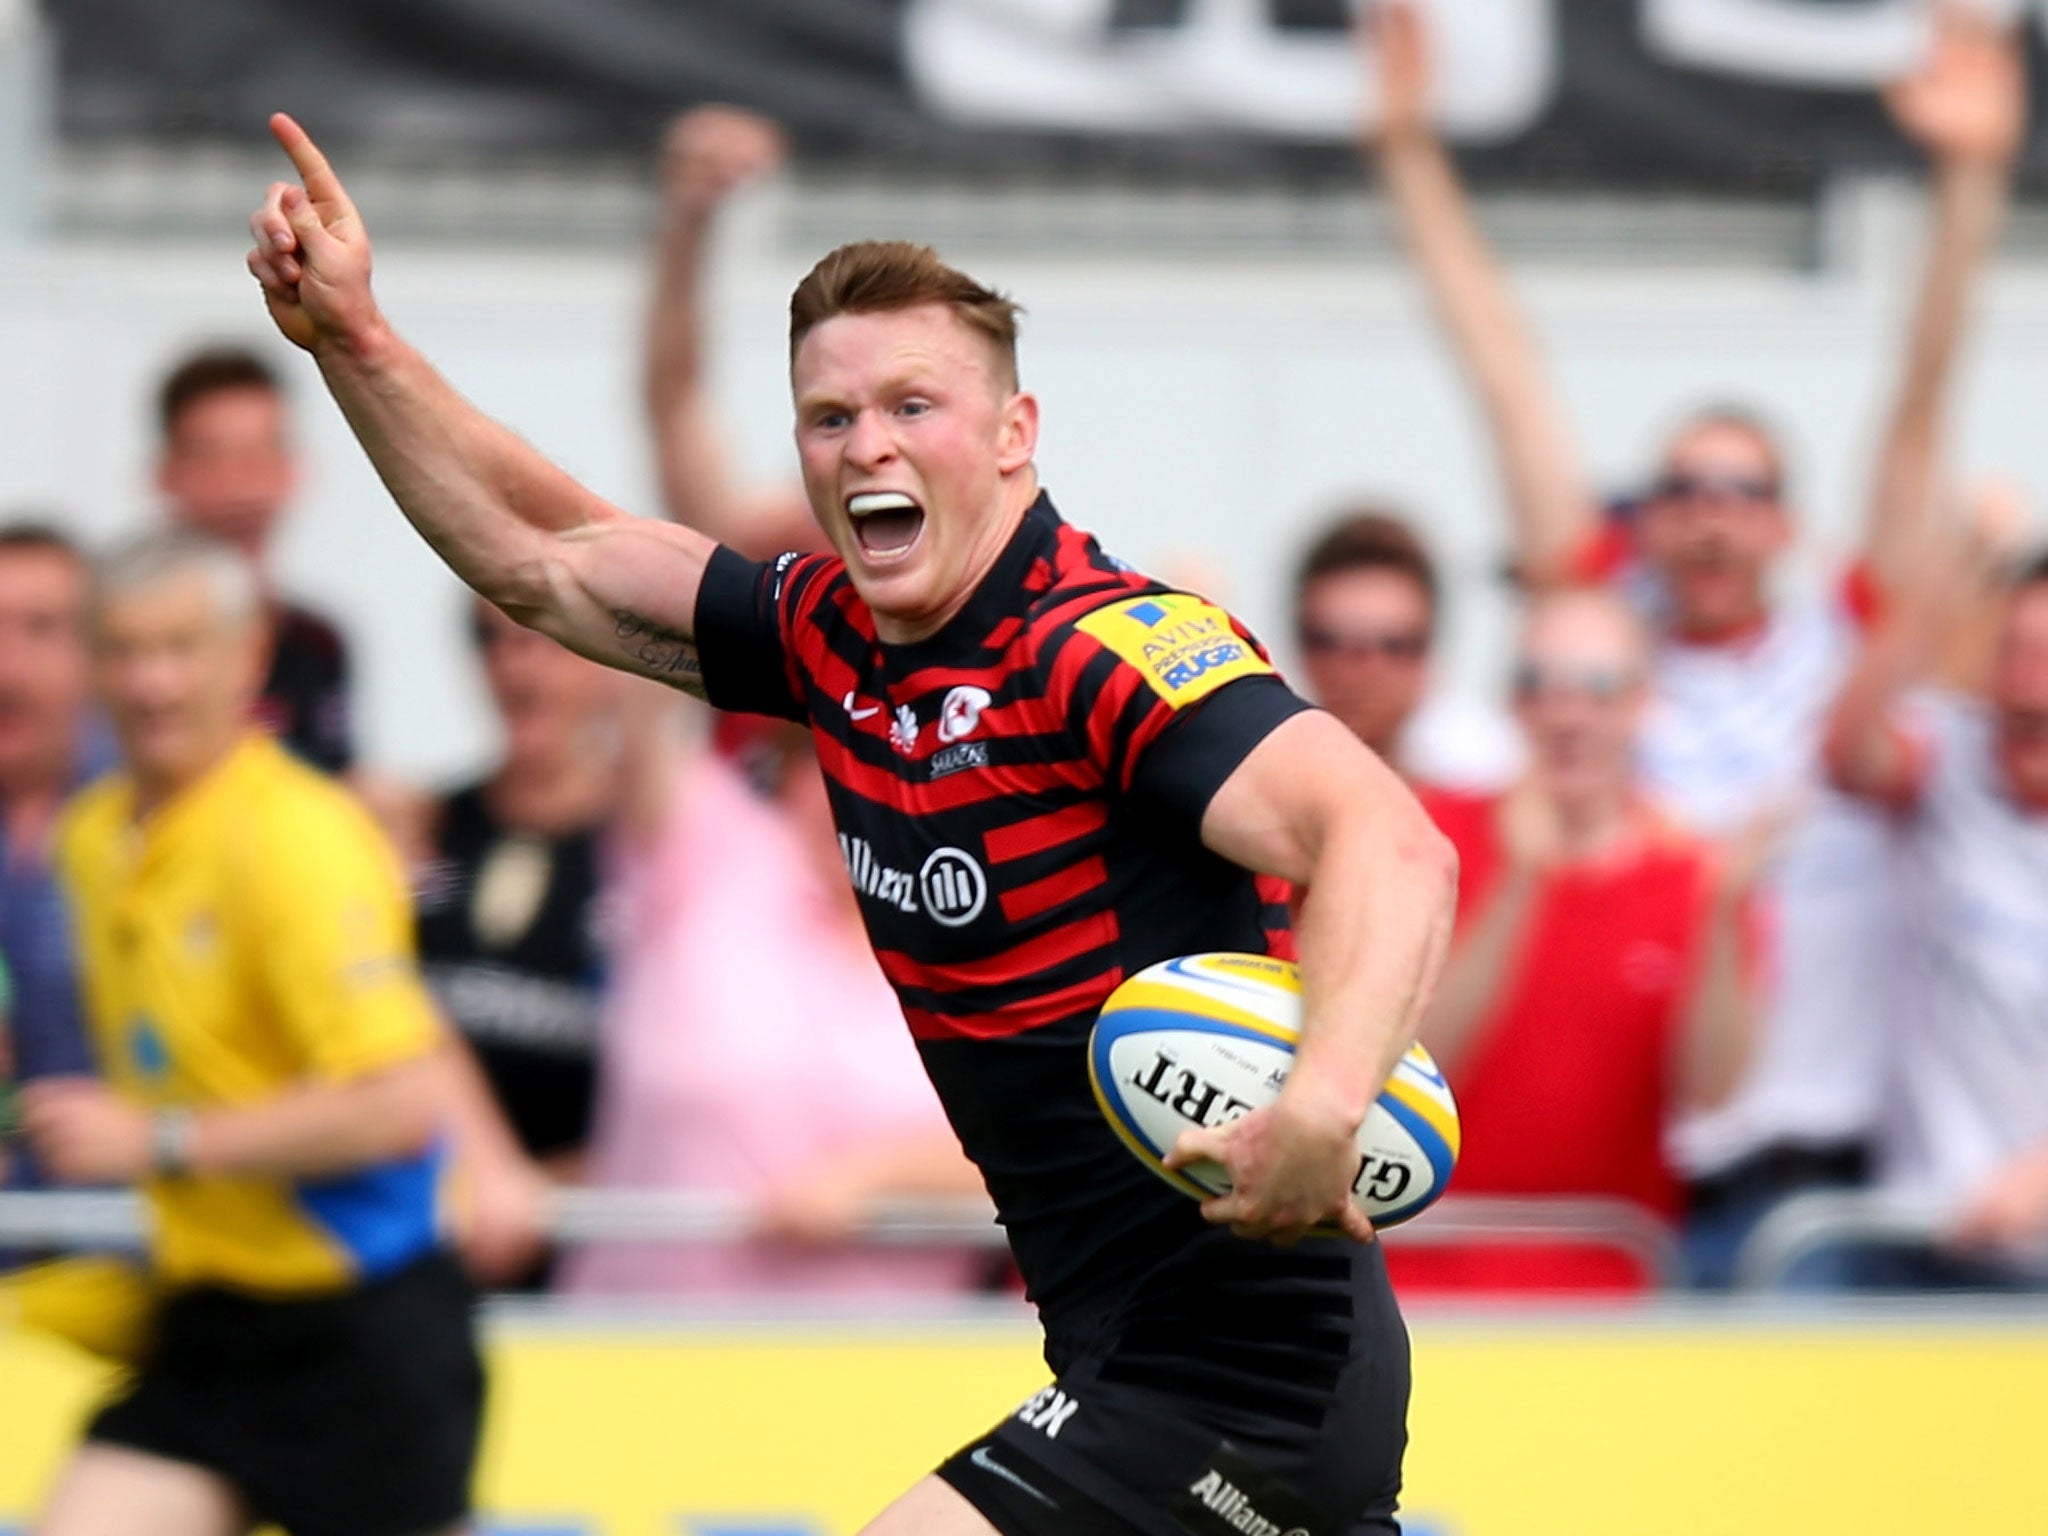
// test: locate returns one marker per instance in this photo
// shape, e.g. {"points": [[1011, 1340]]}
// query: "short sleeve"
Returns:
{"points": [[742, 634], [339, 968], [1168, 694]]}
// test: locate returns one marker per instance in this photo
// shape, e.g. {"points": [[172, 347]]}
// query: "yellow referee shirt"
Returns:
{"points": [[249, 936]]}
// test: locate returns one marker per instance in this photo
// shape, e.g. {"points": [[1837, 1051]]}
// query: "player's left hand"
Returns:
{"points": [[84, 1134], [2009, 1211], [1290, 1166]]}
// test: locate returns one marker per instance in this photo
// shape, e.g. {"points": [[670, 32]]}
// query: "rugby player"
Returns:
{"points": [[271, 1073], [1047, 772]]}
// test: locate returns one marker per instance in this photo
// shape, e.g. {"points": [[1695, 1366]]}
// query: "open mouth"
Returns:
{"points": [[886, 524]]}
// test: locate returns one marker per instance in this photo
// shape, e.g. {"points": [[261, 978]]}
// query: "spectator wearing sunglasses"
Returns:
{"points": [[1366, 597], [1597, 984], [1740, 683]]}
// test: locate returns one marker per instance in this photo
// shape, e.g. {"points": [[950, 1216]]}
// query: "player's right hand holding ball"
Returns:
{"points": [[1290, 1165], [312, 254]]}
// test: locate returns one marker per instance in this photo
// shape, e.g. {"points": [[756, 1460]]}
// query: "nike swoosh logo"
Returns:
{"points": [[988, 1463], [857, 714]]}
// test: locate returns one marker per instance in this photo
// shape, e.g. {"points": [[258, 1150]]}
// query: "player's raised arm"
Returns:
{"points": [[1548, 498], [521, 532], [1966, 108], [1379, 892]]}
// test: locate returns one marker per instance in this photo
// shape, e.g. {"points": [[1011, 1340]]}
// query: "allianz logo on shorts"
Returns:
{"points": [[949, 886], [1228, 1503]]}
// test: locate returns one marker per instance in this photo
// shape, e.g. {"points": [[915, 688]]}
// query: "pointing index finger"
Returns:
{"points": [[322, 185]]}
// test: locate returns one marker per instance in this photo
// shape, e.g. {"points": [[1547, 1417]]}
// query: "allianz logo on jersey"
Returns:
{"points": [[949, 886], [1229, 1504]]}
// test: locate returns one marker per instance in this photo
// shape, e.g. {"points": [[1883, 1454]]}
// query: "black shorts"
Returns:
{"points": [[1174, 1432], [347, 1415]]}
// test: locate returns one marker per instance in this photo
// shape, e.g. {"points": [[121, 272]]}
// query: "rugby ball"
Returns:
{"points": [[1207, 1038]]}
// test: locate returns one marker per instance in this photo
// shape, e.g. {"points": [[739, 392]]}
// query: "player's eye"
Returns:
{"points": [[831, 421], [914, 408]]}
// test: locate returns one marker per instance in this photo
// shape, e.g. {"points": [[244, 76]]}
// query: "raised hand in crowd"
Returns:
{"points": [[1397, 41], [1969, 101], [1958, 565], [1966, 109], [1549, 500], [710, 154]]}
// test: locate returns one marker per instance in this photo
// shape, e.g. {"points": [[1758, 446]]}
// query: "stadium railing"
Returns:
{"points": [[1829, 1221], [66, 1218]]}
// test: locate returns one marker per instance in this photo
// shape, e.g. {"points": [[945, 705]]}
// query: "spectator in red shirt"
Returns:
{"points": [[1597, 982]]}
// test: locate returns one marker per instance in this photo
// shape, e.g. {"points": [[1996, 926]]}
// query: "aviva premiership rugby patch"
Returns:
{"points": [[1185, 646]]}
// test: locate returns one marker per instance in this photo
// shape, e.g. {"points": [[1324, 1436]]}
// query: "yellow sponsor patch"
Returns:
{"points": [[1186, 647]]}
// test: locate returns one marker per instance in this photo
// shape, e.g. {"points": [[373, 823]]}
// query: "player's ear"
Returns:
{"points": [[1017, 442]]}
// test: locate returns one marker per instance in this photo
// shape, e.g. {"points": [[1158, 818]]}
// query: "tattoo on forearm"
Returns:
{"points": [[659, 652]]}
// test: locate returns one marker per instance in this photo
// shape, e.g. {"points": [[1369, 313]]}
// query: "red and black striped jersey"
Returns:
{"points": [[1019, 801]]}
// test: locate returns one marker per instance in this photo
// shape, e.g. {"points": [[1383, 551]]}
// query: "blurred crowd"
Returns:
{"points": [[1754, 895]]}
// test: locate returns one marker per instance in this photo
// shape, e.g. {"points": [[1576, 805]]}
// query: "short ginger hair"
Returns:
{"points": [[878, 276]]}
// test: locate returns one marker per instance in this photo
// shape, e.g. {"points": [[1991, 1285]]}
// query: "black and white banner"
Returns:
{"points": [[1702, 92]]}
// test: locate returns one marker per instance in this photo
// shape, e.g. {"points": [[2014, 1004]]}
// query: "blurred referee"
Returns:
{"points": [[271, 1067]]}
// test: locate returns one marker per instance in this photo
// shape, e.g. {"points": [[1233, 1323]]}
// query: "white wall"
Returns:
{"points": [[1190, 405]]}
